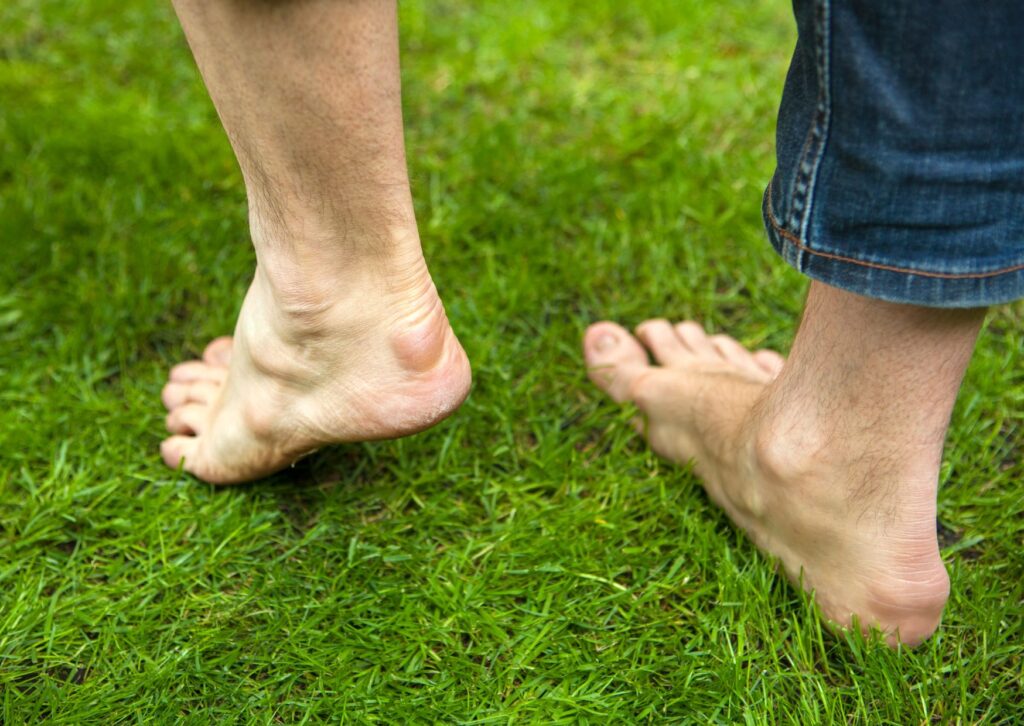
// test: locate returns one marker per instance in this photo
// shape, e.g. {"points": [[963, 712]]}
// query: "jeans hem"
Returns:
{"points": [[910, 287]]}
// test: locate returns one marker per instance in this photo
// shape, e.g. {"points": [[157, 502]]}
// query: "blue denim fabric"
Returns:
{"points": [[900, 150]]}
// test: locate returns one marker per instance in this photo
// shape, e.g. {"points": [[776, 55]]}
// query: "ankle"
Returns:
{"points": [[799, 440], [856, 494], [336, 248], [311, 274], [393, 308]]}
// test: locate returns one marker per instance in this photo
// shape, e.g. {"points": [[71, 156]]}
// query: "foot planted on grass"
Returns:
{"points": [[708, 401]]}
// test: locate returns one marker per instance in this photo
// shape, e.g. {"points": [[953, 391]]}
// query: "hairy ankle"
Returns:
{"points": [[801, 443]]}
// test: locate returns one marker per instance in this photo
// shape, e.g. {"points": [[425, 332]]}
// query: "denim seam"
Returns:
{"points": [[802, 196], [803, 247]]}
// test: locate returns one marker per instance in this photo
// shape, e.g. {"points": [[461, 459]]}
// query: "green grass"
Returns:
{"points": [[527, 561]]}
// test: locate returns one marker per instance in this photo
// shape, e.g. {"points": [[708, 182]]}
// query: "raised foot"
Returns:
{"points": [[870, 555], [299, 376]]}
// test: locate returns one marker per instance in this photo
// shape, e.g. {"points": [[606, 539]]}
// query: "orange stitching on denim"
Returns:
{"points": [[890, 268]]}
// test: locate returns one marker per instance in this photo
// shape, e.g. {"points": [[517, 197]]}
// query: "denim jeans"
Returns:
{"points": [[900, 150]]}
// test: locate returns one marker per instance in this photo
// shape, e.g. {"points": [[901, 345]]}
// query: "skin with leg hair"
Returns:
{"points": [[830, 461], [342, 336]]}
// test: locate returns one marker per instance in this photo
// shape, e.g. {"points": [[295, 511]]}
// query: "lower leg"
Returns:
{"points": [[341, 336], [829, 462]]}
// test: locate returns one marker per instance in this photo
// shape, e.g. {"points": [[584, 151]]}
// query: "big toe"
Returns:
{"points": [[192, 454], [614, 359]]}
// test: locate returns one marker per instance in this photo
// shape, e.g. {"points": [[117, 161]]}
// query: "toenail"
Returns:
{"points": [[605, 342]]}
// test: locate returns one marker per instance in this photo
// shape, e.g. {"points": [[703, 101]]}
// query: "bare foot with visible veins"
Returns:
{"points": [[306, 368], [704, 402]]}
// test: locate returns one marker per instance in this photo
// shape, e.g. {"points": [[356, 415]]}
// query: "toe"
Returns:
{"points": [[189, 453], [178, 394], [203, 392], [736, 354], [178, 450], [769, 361], [614, 359], [174, 394], [196, 370], [661, 339], [218, 352], [189, 418], [693, 336]]}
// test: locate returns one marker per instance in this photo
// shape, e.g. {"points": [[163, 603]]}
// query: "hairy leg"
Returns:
{"points": [[830, 461], [341, 336]]}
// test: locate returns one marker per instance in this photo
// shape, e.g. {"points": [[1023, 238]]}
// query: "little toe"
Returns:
{"points": [[189, 418], [696, 339], [736, 354], [769, 361], [197, 370], [614, 358], [661, 339], [218, 352]]}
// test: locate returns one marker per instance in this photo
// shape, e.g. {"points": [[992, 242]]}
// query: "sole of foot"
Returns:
{"points": [[302, 372], [703, 400]]}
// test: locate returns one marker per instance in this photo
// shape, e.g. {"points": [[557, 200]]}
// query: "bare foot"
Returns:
{"points": [[311, 365], [707, 401]]}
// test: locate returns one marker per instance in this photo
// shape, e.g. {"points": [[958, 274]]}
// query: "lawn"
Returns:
{"points": [[528, 560]]}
